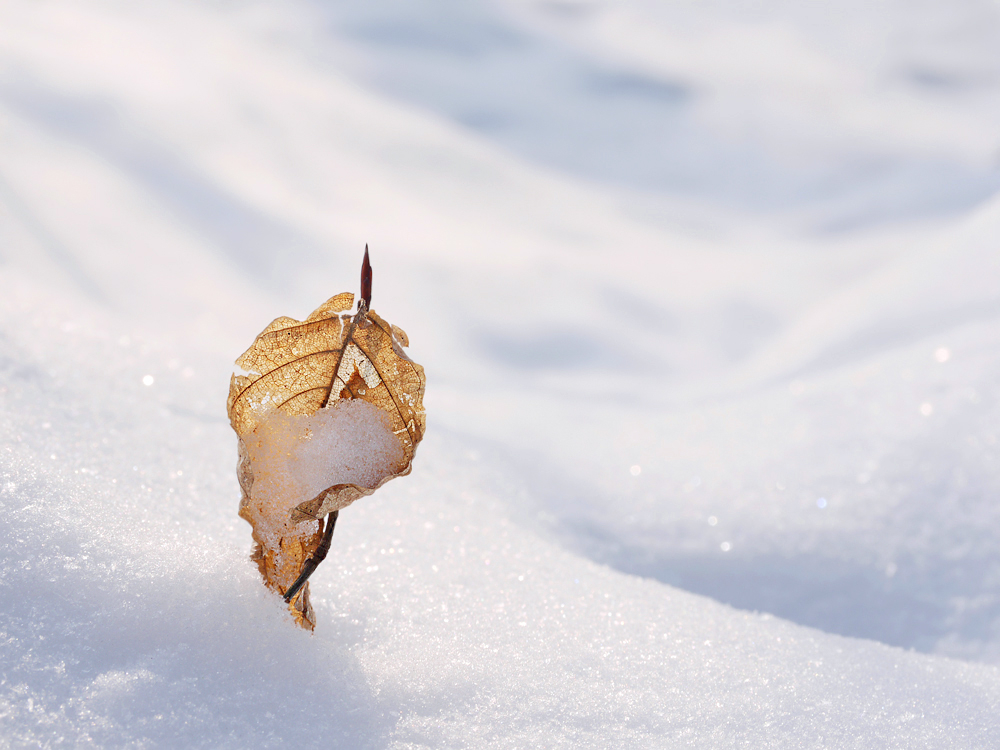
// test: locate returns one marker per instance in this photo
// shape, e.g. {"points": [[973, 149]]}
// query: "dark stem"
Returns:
{"points": [[366, 283], [318, 556], [364, 301]]}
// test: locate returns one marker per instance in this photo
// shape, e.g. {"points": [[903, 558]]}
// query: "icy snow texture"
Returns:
{"points": [[785, 314], [294, 458]]}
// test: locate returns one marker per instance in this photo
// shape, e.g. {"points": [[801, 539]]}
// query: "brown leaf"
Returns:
{"points": [[297, 370]]}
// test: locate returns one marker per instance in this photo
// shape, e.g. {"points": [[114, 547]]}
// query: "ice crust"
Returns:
{"points": [[294, 458], [175, 175]]}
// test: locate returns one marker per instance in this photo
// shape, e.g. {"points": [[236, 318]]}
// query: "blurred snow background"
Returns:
{"points": [[707, 294]]}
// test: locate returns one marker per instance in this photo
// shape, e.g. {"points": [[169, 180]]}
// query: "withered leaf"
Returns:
{"points": [[297, 368]]}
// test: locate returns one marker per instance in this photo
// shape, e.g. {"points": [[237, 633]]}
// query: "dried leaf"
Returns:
{"points": [[321, 368]]}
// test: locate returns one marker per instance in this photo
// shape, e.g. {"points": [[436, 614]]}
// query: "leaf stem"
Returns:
{"points": [[310, 565], [366, 283]]}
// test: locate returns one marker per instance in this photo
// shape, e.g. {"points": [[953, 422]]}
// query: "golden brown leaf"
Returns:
{"points": [[295, 370]]}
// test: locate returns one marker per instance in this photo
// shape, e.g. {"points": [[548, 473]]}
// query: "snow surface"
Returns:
{"points": [[707, 297]]}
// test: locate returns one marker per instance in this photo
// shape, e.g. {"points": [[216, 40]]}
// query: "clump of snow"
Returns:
{"points": [[295, 457]]}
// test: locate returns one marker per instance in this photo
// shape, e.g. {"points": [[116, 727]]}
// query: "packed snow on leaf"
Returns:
{"points": [[294, 458]]}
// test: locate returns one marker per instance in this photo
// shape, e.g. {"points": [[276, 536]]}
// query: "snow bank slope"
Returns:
{"points": [[134, 617]]}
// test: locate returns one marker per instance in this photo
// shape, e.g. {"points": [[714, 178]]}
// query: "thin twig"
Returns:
{"points": [[318, 556]]}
